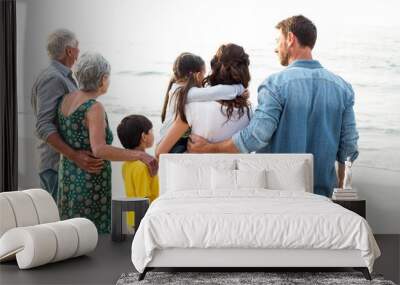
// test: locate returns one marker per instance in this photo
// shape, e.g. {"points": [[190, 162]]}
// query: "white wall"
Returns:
{"points": [[36, 19], [381, 189]]}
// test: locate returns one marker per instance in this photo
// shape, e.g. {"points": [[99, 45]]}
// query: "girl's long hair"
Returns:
{"points": [[184, 70], [230, 65]]}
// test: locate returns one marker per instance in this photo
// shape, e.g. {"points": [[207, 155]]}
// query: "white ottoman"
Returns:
{"points": [[31, 232]]}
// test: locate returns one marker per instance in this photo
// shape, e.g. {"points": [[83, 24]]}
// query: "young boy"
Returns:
{"points": [[136, 132]]}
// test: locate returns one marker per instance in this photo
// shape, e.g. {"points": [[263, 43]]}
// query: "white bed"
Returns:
{"points": [[219, 211]]}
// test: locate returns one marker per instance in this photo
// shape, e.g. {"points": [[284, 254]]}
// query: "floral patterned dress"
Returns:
{"points": [[82, 194]]}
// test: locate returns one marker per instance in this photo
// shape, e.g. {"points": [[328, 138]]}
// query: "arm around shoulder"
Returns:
{"points": [[96, 122], [214, 93]]}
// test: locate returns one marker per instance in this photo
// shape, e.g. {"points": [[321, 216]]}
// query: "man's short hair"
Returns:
{"points": [[131, 128], [58, 41], [304, 30]]}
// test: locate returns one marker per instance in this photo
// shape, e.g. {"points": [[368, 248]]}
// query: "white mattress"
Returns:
{"points": [[251, 219]]}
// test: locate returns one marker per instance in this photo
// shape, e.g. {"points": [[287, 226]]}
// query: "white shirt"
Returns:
{"points": [[195, 94], [209, 121]]}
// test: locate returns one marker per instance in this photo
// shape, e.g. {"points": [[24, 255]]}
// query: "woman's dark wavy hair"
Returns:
{"points": [[184, 69], [230, 65]]}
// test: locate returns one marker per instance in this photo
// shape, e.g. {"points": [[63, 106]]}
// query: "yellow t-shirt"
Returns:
{"points": [[138, 183]]}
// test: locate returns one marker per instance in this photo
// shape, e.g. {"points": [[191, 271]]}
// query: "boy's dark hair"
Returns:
{"points": [[304, 30], [131, 128]]}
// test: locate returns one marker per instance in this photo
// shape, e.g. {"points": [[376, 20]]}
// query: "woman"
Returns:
{"points": [[185, 86], [215, 120], [84, 126]]}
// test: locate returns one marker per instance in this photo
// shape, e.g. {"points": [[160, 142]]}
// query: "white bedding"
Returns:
{"points": [[252, 218]]}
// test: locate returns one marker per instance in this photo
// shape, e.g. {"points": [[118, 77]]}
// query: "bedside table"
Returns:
{"points": [[124, 204], [357, 206]]}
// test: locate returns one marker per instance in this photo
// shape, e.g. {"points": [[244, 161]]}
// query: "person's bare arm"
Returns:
{"points": [[198, 144], [176, 131], [215, 93], [341, 169], [84, 159], [96, 122]]}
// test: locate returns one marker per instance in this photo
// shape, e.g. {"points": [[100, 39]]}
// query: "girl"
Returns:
{"points": [[185, 87], [214, 120]]}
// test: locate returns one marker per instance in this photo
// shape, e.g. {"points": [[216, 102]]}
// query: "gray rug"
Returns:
{"points": [[243, 278]]}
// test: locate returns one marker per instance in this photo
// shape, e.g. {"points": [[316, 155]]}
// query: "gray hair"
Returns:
{"points": [[58, 41], [90, 70]]}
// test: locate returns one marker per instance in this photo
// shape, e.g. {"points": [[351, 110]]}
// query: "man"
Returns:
{"points": [[54, 82], [302, 109]]}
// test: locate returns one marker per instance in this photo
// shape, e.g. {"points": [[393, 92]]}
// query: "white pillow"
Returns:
{"points": [[183, 177], [193, 174], [226, 179], [288, 174], [251, 178], [291, 179], [223, 179]]}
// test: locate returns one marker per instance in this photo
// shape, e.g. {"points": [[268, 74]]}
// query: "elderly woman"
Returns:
{"points": [[83, 125]]}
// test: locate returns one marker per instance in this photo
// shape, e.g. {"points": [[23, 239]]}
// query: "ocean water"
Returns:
{"points": [[141, 71]]}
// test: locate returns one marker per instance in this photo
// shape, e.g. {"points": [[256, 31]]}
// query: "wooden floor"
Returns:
{"points": [[103, 266], [110, 260]]}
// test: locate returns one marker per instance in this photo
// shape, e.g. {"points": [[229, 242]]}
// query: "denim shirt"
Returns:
{"points": [[304, 109]]}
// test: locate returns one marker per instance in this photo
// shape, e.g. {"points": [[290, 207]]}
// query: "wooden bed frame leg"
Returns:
{"points": [[143, 274], [365, 272]]}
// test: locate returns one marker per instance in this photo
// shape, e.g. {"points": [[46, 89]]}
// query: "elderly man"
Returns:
{"points": [[302, 109], [54, 82]]}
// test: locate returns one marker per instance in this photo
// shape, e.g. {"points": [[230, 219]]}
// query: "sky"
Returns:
{"points": [[222, 20]]}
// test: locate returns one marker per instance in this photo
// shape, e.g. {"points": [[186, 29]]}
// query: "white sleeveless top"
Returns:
{"points": [[207, 120]]}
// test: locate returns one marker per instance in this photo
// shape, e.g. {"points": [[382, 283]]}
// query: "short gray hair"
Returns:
{"points": [[58, 41], [90, 70]]}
